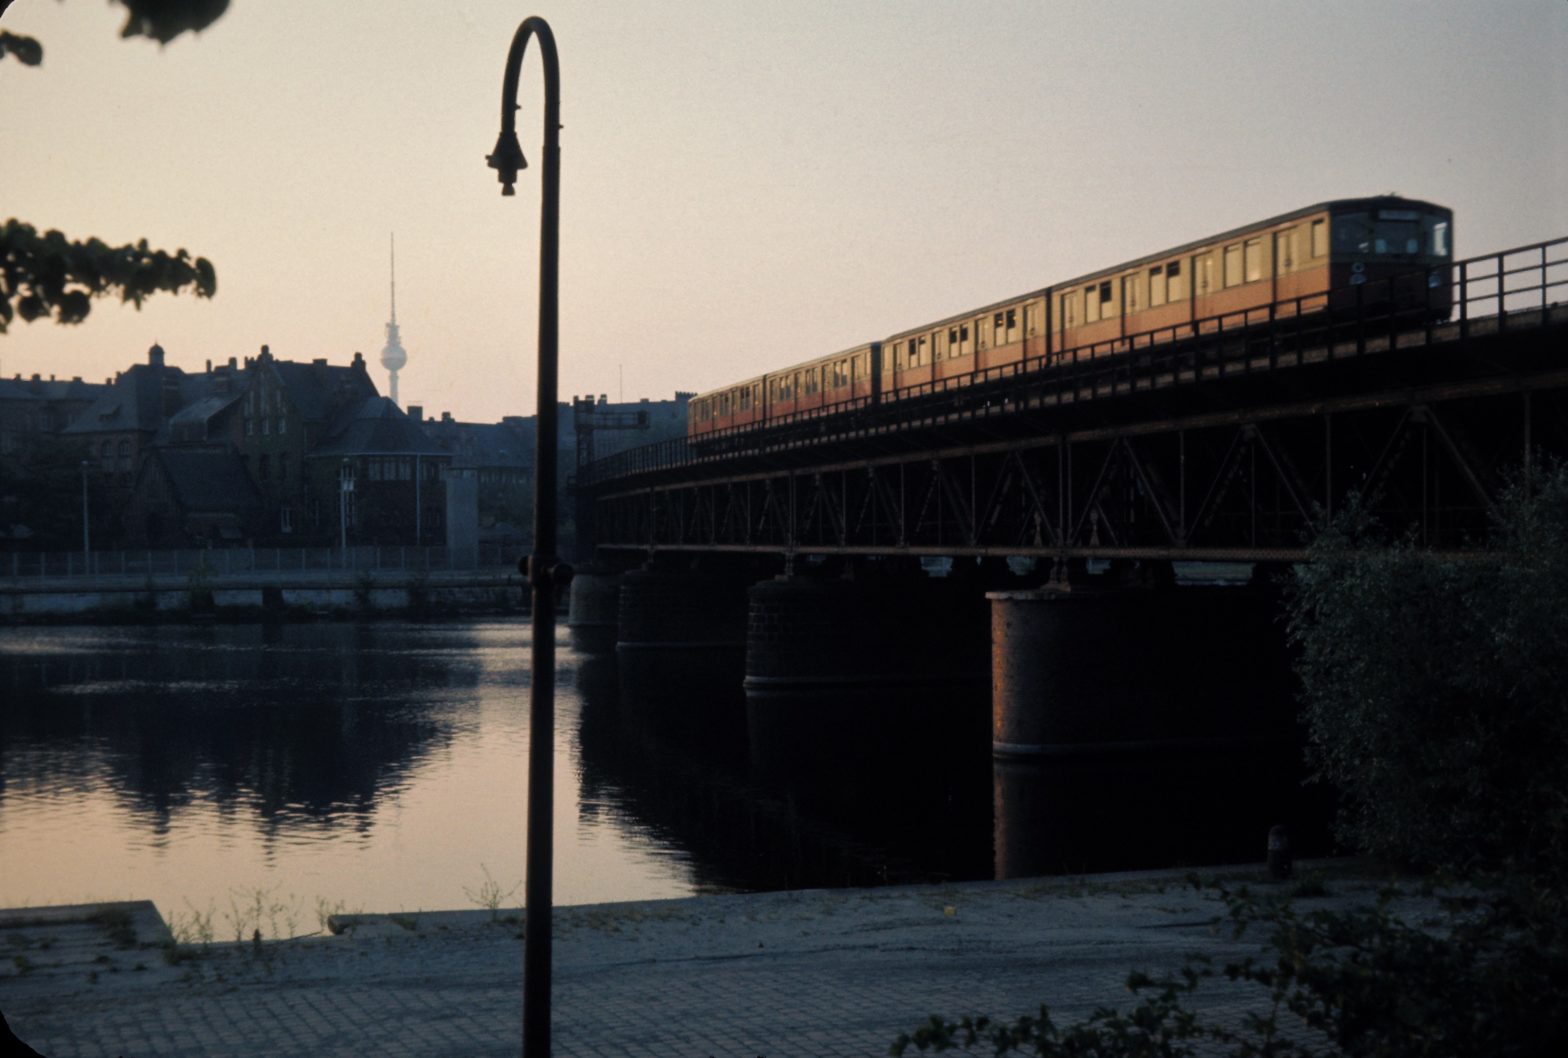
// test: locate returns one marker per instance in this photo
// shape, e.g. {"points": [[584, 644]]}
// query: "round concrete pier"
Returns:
{"points": [[593, 608], [1130, 670], [681, 644], [846, 677]]}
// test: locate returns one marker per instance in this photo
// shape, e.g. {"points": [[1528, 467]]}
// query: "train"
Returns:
{"points": [[1342, 257]]}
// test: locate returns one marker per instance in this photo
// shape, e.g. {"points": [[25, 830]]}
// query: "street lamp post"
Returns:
{"points": [[86, 533], [545, 574], [345, 486]]}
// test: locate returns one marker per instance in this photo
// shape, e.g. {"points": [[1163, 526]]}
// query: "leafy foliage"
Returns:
{"points": [[1473, 974], [27, 50], [50, 275], [1435, 692], [163, 20]]}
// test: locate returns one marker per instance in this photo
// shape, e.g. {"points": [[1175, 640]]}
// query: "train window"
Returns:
{"points": [[963, 341], [1011, 319], [1320, 238], [1156, 285], [745, 399], [1091, 305], [1031, 318], [1440, 239], [1130, 294], [1253, 253], [1175, 288], [1233, 263], [1203, 272], [1284, 252]]}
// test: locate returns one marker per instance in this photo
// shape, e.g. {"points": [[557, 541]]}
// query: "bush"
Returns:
{"points": [[1435, 691], [1476, 974]]}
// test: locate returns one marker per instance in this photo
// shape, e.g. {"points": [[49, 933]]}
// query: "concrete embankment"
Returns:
{"points": [[821, 972], [258, 591]]}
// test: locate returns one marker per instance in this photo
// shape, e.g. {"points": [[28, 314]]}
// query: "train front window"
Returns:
{"points": [[1438, 236], [1388, 233]]}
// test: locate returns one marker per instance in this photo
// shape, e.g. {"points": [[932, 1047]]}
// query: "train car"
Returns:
{"points": [[837, 382], [1344, 257], [733, 406], [1362, 254], [951, 350]]}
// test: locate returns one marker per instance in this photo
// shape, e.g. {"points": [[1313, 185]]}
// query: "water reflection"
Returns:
{"points": [[299, 724], [381, 766]]}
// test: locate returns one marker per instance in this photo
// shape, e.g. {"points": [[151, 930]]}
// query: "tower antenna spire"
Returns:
{"points": [[393, 356]]}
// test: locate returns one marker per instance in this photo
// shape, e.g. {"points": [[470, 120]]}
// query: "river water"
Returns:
{"points": [[379, 766]]}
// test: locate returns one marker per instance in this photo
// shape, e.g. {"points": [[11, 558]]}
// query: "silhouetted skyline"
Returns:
{"points": [[744, 185]]}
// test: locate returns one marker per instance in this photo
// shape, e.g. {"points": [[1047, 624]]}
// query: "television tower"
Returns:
{"points": [[393, 356]]}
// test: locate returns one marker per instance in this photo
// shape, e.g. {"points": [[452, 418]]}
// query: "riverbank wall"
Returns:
{"points": [[251, 593]]}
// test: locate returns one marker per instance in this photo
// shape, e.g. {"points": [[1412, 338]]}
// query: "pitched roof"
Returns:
{"points": [[478, 444], [316, 388], [208, 481], [375, 426]]}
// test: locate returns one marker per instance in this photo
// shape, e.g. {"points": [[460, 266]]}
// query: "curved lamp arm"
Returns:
{"points": [[507, 158]]}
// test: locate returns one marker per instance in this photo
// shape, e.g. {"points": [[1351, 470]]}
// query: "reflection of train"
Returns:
{"points": [[1340, 257]]}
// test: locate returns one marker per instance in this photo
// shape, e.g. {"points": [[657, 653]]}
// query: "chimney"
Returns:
{"points": [[358, 363], [234, 363], [266, 353], [209, 365], [416, 412], [446, 416]]}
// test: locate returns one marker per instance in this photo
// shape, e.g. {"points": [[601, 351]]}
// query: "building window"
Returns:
{"points": [[283, 467], [266, 426], [285, 521], [283, 424], [262, 467], [248, 427]]}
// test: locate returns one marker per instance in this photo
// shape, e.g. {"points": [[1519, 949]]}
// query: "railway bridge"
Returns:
{"points": [[1071, 497]]}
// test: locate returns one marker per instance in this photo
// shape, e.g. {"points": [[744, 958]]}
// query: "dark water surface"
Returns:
{"points": [[379, 766]]}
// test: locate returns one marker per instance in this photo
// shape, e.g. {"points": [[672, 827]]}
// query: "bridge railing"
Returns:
{"points": [[142, 564], [1515, 289]]}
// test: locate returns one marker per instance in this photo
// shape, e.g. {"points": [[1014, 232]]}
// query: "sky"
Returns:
{"points": [[745, 185]]}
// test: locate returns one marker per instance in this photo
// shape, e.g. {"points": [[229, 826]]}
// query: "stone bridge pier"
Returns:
{"points": [[1168, 709], [866, 668]]}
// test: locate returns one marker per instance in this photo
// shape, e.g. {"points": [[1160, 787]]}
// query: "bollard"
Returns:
{"points": [[1280, 858]]}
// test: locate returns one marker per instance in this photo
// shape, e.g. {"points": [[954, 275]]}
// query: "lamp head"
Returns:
{"points": [[507, 159]]}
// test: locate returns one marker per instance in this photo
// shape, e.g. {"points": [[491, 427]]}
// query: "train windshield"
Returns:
{"points": [[1391, 233]]}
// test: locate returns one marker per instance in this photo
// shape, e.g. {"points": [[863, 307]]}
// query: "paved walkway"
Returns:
{"points": [[822, 972]]}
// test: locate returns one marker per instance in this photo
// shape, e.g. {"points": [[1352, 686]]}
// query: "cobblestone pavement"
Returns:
{"points": [[811, 973]]}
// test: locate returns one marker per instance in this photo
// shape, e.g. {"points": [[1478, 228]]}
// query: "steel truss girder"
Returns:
{"points": [[1252, 483]]}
